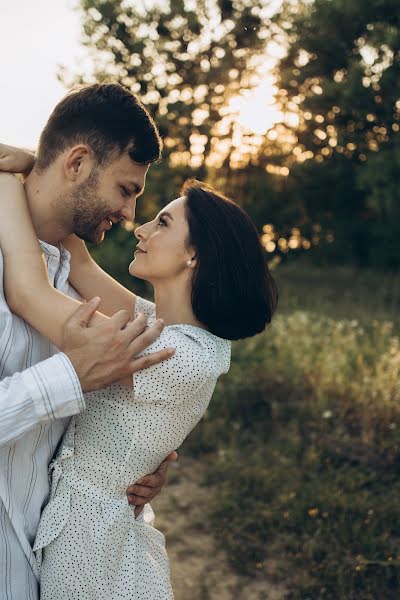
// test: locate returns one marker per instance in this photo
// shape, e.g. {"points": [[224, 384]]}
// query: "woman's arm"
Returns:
{"points": [[16, 160], [90, 280], [28, 289], [86, 276]]}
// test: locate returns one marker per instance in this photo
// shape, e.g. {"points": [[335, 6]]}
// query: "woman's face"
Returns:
{"points": [[162, 253]]}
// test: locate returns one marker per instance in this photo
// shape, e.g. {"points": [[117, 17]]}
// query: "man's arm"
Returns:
{"points": [[42, 393], [149, 486], [92, 359]]}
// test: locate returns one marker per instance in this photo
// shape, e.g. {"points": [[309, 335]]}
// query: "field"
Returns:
{"points": [[301, 444]]}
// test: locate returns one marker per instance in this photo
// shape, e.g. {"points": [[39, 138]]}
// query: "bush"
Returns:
{"points": [[306, 449]]}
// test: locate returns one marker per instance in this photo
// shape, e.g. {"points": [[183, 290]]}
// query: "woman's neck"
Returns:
{"points": [[173, 304]]}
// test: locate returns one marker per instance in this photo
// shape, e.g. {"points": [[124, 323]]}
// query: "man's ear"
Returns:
{"points": [[78, 163]]}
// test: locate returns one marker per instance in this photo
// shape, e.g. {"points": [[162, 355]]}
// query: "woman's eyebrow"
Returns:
{"points": [[166, 214]]}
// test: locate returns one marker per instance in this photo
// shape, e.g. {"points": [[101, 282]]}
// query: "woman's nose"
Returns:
{"points": [[143, 231], [140, 232]]}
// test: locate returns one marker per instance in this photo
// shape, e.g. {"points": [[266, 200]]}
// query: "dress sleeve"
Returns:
{"points": [[177, 378], [145, 307]]}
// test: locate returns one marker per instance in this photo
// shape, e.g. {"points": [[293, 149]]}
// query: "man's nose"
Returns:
{"points": [[128, 210]]}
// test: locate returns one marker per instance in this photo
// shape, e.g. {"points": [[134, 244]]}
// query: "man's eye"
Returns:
{"points": [[125, 191]]}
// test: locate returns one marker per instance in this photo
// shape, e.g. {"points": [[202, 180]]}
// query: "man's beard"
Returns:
{"points": [[88, 210]]}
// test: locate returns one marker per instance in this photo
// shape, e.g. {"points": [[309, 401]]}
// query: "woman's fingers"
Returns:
{"points": [[15, 160]]}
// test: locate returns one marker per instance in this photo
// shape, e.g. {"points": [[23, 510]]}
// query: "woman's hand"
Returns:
{"points": [[16, 160]]}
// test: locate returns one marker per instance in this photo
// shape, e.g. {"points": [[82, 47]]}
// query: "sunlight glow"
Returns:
{"points": [[258, 111]]}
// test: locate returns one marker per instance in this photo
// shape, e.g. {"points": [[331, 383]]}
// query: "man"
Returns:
{"points": [[92, 161]]}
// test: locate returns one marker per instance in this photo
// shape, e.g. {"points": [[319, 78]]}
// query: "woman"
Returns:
{"points": [[211, 284]]}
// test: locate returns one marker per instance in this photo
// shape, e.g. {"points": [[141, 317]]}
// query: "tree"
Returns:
{"points": [[342, 69], [341, 76], [186, 59]]}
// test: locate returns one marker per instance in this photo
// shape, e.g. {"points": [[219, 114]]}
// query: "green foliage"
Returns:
{"points": [[185, 59], [351, 79], [343, 293], [379, 182], [342, 70], [188, 59]]}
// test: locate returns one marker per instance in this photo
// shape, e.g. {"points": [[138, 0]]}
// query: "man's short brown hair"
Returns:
{"points": [[107, 117]]}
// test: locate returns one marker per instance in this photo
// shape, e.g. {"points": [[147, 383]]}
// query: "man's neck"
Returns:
{"points": [[42, 198]]}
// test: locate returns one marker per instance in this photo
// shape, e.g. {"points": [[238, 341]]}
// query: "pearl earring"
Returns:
{"points": [[189, 263]]}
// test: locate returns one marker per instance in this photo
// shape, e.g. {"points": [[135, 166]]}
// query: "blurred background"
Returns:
{"points": [[289, 488]]}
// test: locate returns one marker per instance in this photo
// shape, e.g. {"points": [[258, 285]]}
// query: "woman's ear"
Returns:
{"points": [[191, 262], [78, 163]]}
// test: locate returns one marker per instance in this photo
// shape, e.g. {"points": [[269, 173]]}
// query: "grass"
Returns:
{"points": [[302, 440], [339, 292]]}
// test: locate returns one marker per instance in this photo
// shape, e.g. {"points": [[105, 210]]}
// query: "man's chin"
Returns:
{"points": [[94, 237]]}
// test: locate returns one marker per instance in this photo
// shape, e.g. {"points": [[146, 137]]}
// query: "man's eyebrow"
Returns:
{"points": [[166, 214]]}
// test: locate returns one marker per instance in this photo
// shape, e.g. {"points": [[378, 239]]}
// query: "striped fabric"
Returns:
{"points": [[39, 391]]}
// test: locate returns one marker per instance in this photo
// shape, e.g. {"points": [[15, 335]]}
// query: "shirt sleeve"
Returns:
{"points": [[178, 377], [47, 391], [41, 393]]}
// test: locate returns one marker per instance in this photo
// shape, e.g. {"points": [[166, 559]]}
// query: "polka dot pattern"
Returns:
{"points": [[89, 545]]}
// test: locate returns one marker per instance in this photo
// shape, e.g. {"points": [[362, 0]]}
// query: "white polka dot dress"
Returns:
{"points": [[89, 545]]}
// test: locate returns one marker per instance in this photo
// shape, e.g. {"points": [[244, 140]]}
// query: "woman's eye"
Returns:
{"points": [[161, 221]]}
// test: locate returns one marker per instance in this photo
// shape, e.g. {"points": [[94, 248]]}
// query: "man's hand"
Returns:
{"points": [[146, 488], [16, 160], [106, 352]]}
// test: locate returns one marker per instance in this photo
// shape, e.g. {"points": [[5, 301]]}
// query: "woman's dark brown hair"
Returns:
{"points": [[233, 293]]}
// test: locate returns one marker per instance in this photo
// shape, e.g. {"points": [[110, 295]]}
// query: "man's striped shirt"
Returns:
{"points": [[39, 392]]}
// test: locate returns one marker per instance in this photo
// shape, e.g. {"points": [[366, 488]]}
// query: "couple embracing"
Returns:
{"points": [[96, 395]]}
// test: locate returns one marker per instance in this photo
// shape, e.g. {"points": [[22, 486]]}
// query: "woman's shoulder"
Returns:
{"points": [[145, 307], [195, 344], [198, 361]]}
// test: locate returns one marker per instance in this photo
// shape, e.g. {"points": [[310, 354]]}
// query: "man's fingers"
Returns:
{"points": [[121, 318], [134, 329], [161, 471], [141, 500], [142, 491], [148, 336], [84, 313], [171, 457], [143, 362], [138, 510]]}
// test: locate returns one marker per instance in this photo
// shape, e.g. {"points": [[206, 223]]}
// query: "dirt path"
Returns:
{"points": [[199, 571]]}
